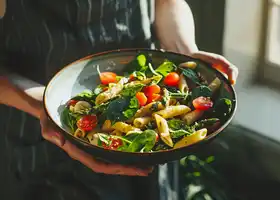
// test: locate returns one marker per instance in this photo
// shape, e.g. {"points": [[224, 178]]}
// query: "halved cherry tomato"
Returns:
{"points": [[154, 97], [202, 103], [151, 89], [115, 144], [142, 99], [108, 77], [72, 102], [172, 79], [87, 122], [131, 77]]}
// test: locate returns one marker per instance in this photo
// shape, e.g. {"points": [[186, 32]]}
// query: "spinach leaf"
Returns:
{"points": [[131, 90], [179, 133], [175, 124], [143, 142], [205, 123], [201, 90], [222, 108], [68, 120], [139, 63], [165, 68], [86, 95], [190, 74], [133, 107], [151, 125], [114, 111]]}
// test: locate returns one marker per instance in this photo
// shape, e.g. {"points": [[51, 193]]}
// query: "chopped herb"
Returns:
{"points": [[165, 68]]}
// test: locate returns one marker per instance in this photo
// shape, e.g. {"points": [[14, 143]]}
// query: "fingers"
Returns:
{"points": [[220, 63]]}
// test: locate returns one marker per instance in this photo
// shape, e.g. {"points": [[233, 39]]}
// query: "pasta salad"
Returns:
{"points": [[148, 108]]}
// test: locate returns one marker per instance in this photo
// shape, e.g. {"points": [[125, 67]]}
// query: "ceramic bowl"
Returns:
{"points": [[82, 74]]}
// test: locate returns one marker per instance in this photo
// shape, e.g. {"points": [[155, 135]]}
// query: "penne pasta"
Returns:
{"points": [[117, 133], [93, 138], [79, 133], [189, 64], [141, 122], [191, 139], [173, 111], [147, 110], [107, 126], [215, 85], [124, 128], [111, 92], [183, 86], [163, 130], [192, 116]]}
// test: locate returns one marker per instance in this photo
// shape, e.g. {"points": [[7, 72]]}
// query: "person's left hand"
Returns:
{"points": [[219, 62]]}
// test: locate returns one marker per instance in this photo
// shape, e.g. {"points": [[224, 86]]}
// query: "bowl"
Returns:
{"points": [[82, 75]]}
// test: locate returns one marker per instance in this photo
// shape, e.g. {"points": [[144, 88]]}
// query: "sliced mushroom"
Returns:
{"points": [[81, 107]]}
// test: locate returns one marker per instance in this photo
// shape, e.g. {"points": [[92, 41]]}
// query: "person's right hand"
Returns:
{"points": [[49, 133]]}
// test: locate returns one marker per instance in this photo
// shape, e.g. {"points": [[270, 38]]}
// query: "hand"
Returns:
{"points": [[218, 62], [49, 133]]}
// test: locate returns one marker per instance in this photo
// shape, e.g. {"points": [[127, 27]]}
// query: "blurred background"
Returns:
{"points": [[244, 162]]}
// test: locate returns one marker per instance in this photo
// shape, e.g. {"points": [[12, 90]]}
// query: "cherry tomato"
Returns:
{"points": [[72, 102], [131, 77], [154, 97], [172, 79], [142, 99], [202, 103], [87, 123], [152, 89], [108, 77]]}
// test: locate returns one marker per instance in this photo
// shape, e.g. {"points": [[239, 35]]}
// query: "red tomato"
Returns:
{"points": [[172, 79], [142, 99], [115, 143], [131, 77], [87, 123], [152, 89], [202, 103], [154, 97], [108, 77], [72, 102]]}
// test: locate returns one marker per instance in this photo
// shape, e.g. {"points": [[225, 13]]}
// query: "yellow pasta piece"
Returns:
{"points": [[123, 127], [183, 86], [192, 116], [172, 111], [163, 130], [79, 133], [93, 138], [189, 64], [146, 110], [194, 138], [117, 133], [141, 122], [107, 126], [111, 92], [215, 85]]}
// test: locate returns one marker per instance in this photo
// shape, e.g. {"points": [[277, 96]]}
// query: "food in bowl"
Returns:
{"points": [[148, 108]]}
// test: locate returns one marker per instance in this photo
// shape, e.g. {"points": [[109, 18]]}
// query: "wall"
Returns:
{"points": [[258, 106]]}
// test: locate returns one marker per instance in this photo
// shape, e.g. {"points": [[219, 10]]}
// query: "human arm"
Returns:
{"points": [[27, 96], [175, 29]]}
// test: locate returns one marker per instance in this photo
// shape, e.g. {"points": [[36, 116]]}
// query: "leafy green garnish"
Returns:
{"points": [[165, 68], [222, 108], [175, 124], [86, 95], [139, 75], [201, 90], [131, 90], [190, 74], [179, 133], [68, 120], [144, 142], [133, 107], [205, 123], [139, 63]]}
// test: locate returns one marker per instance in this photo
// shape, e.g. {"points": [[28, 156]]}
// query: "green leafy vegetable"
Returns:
{"points": [[131, 90], [143, 142], [68, 119], [139, 75], [201, 90], [114, 111], [139, 63], [190, 74], [179, 133], [205, 123], [133, 107], [165, 68], [222, 108], [175, 124], [86, 95]]}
